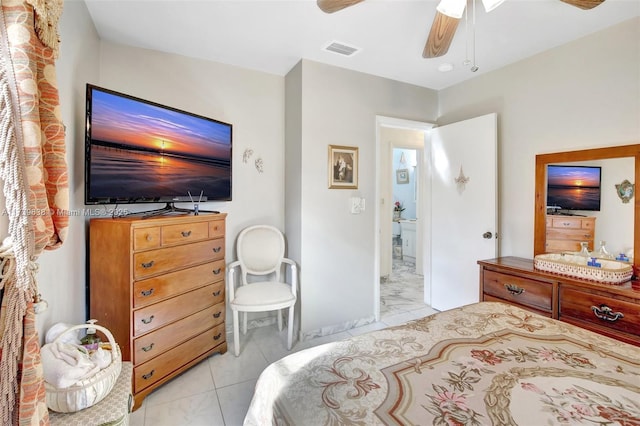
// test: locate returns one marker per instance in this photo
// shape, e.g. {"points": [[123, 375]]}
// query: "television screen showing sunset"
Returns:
{"points": [[573, 187], [140, 151]]}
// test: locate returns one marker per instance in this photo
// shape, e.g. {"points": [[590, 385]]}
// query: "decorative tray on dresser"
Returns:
{"points": [[612, 310], [158, 285]]}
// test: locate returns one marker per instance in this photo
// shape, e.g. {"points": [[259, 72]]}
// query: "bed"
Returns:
{"points": [[485, 363]]}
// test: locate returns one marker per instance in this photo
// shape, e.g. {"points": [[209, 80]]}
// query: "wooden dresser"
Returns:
{"points": [[158, 285], [565, 233], [612, 310]]}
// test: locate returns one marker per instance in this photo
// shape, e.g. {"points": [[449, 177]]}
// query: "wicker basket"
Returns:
{"points": [[90, 391]]}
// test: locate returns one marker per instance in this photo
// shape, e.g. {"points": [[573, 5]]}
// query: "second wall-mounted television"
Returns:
{"points": [[138, 151], [573, 187]]}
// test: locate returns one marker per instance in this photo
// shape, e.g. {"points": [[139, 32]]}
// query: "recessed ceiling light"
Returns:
{"points": [[446, 67]]}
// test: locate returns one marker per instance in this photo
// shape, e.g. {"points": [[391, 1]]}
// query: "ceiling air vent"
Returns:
{"points": [[341, 48]]}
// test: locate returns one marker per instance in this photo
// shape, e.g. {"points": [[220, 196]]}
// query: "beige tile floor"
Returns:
{"points": [[218, 390]]}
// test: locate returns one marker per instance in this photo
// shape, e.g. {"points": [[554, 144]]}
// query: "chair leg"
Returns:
{"points": [[236, 333], [244, 322], [290, 327], [279, 315]]}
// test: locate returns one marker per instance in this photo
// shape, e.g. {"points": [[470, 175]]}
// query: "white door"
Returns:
{"points": [[463, 206]]}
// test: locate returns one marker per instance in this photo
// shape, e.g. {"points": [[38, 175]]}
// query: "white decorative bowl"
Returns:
{"points": [[573, 265]]}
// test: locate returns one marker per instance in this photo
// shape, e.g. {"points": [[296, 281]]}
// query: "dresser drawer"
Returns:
{"points": [[155, 316], [152, 290], [157, 261], [570, 234], [184, 233], [601, 310], [566, 222], [146, 238], [216, 228], [150, 372], [557, 246], [157, 342], [528, 292]]}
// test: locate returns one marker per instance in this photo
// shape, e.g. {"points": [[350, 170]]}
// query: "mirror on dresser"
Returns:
{"points": [[609, 223]]}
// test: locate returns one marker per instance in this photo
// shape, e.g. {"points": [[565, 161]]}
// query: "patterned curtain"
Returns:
{"points": [[35, 184]]}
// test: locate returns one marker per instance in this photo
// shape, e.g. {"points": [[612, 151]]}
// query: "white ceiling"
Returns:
{"points": [[272, 36]]}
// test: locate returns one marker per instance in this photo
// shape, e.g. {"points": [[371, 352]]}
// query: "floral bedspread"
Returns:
{"points": [[486, 363]]}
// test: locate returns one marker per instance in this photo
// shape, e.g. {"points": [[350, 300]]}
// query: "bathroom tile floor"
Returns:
{"points": [[218, 390]]}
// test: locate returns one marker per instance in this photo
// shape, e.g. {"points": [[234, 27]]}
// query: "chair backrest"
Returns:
{"points": [[260, 250]]}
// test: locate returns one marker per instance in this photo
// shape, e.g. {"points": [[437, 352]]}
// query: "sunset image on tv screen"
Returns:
{"points": [[573, 187], [140, 150]]}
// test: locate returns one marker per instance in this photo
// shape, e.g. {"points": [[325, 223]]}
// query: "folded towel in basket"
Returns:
{"points": [[64, 364]]}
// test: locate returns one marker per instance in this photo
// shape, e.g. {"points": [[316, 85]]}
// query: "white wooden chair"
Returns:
{"points": [[262, 287]]}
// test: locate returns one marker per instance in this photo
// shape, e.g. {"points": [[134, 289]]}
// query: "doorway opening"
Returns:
{"points": [[400, 244]]}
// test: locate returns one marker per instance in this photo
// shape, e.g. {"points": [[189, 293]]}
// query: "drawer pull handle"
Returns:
{"points": [[217, 249], [217, 293], [147, 292], [217, 314], [148, 348], [186, 233], [147, 320], [514, 289], [566, 223], [604, 312], [217, 271], [148, 265], [217, 336], [148, 375], [149, 237]]}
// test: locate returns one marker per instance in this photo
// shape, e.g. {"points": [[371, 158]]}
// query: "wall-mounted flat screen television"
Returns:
{"points": [[573, 187], [138, 151]]}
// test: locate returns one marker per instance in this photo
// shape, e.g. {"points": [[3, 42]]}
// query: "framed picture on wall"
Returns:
{"points": [[402, 176], [343, 167]]}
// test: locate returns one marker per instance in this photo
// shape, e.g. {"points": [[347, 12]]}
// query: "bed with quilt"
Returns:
{"points": [[481, 364]]}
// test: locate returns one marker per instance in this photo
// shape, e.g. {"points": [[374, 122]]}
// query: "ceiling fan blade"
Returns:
{"points": [[584, 4], [442, 31], [330, 6]]}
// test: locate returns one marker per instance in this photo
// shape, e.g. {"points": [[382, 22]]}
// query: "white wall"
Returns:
{"points": [[580, 95], [339, 107], [405, 193]]}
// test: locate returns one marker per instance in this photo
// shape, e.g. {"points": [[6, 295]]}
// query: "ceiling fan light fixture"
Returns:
{"points": [[452, 8], [489, 5]]}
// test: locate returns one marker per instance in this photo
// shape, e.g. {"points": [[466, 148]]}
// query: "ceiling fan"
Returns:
{"points": [[445, 23]]}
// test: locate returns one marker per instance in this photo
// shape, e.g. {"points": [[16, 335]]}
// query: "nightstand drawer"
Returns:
{"points": [[155, 343], [536, 294], [155, 316], [601, 310], [152, 290]]}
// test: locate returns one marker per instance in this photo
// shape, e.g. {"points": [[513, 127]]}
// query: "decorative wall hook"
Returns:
{"points": [[246, 155], [461, 181], [259, 165], [625, 190]]}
